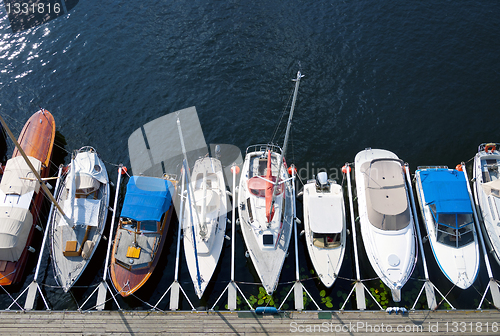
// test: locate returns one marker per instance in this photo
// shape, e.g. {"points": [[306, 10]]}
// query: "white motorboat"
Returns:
{"points": [[267, 206], [84, 197], [386, 220], [204, 222], [325, 226], [448, 217], [487, 193]]}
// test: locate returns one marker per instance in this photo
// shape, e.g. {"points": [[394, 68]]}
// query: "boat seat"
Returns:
{"points": [[71, 249], [88, 247]]}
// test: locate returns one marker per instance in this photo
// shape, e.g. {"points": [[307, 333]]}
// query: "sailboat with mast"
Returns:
{"points": [[84, 196], [266, 205], [204, 217], [20, 194]]}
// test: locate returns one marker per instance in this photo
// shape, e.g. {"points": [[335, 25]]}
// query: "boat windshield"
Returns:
{"points": [[128, 224], [149, 226], [455, 230], [326, 240]]}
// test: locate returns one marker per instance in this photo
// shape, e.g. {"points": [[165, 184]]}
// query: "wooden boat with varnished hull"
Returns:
{"points": [[141, 234], [21, 196]]}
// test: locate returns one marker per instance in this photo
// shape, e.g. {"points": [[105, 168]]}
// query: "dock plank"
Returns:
{"points": [[228, 323]]}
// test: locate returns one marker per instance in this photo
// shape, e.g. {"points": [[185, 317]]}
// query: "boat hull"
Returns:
{"points": [[128, 281], [207, 255], [268, 262], [326, 261], [459, 265], [392, 253], [36, 139], [488, 204], [89, 226]]}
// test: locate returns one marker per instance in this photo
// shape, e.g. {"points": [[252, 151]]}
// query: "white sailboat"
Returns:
{"points": [[487, 193], [385, 218], [325, 226], [204, 222], [84, 197], [266, 206], [204, 216], [448, 217]]}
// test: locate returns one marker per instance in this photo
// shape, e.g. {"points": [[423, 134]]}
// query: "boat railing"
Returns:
{"points": [[431, 167], [482, 146], [263, 148], [86, 149]]}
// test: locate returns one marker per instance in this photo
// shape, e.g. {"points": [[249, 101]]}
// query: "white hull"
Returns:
{"points": [[90, 221], [326, 261], [215, 215], [392, 253], [489, 204], [459, 265], [267, 259]]}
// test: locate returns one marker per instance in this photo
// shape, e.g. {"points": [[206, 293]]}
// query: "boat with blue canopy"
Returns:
{"points": [[143, 225], [448, 217]]}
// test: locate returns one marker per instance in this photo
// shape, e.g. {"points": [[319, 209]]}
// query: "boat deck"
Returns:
{"points": [[248, 323]]}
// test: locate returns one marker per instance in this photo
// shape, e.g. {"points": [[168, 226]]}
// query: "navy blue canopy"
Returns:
{"points": [[447, 190], [147, 198]]}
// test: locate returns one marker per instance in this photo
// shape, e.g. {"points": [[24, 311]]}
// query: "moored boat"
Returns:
{"points": [[487, 193], [325, 226], [385, 217], [267, 206], [448, 217], [143, 225], [20, 194], [204, 222], [84, 197]]}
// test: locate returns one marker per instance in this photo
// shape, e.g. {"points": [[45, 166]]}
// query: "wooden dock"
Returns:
{"points": [[461, 322]]}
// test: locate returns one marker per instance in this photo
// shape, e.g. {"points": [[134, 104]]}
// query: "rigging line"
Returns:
{"points": [[20, 123], [76, 302], [454, 285], [285, 109]]}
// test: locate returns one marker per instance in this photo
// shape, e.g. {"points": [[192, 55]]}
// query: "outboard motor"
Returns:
{"points": [[322, 182]]}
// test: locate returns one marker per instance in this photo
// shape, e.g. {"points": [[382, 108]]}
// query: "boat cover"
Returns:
{"points": [[89, 163], [386, 198], [15, 226], [85, 211], [147, 198], [325, 214], [447, 190], [492, 188], [16, 170]]}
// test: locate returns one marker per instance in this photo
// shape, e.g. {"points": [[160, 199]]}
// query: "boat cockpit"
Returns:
{"points": [[326, 240], [455, 230]]}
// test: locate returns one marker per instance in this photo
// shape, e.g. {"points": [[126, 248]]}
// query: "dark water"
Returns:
{"points": [[419, 78]]}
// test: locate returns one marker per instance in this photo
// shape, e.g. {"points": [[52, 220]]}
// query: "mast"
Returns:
{"points": [[289, 124], [189, 191]]}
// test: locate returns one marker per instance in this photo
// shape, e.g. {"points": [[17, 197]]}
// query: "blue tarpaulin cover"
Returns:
{"points": [[447, 190], [147, 198]]}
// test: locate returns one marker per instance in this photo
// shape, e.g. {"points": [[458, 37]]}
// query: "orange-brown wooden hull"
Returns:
{"points": [[37, 140], [134, 279]]}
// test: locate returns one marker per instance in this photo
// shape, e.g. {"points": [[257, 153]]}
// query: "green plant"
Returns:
{"points": [[262, 298], [326, 300]]}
